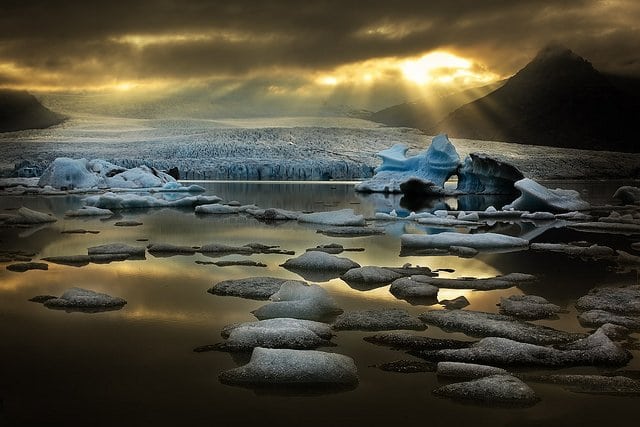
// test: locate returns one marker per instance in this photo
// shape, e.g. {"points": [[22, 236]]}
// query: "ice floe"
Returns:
{"points": [[590, 252], [112, 200], [625, 300], [377, 320], [276, 333], [216, 208], [591, 384], [481, 324], [168, 249], [21, 267], [536, 197], [285, 367], [315, 261], [26, 216], [595, 349], [343, 217], [351, 231], [456, 303], [467, 370], [117, 248], [300, 301], [597, 318], [484, 284], [85, 300], [491, 390], [88, 211], [530, 307], [407, 341], [482, 241], [414, 291], [258, 288]]}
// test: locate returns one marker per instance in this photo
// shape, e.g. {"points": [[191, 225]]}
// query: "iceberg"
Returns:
{"points": [[481, 174], [536, 197], [425, 172], [273, 367]]}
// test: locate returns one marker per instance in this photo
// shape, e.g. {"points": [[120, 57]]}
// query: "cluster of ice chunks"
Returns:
{"points": [[427, 173]]}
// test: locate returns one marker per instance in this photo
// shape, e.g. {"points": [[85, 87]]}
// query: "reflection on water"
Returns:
{"points": [[136, 365]]}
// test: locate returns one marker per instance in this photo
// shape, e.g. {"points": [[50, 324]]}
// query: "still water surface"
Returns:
{"points": [[136, 366]]}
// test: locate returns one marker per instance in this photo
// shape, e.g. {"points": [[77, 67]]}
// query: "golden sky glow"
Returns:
{"points": [[284, 54]]}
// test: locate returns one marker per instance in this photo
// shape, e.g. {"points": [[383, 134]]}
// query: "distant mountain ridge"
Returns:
{"points": [[20, 110], [426, 113], [558, 99]]}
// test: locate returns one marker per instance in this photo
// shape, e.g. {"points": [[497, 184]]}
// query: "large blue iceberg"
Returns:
{"points": [[426, 173]]}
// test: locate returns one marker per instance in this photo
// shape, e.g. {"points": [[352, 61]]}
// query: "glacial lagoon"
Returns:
{"points": [[137, 365]]}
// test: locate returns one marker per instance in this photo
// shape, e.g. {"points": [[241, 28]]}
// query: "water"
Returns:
{"points": [[136, 366]]}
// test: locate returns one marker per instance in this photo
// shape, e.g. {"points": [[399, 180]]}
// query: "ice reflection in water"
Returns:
{"points": [[138, 361]]}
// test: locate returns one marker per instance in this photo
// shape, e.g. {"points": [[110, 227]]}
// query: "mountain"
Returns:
{"points": [[426, 113], [20, 110], [559, 99]]}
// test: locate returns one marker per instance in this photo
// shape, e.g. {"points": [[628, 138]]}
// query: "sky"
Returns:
{"points": [[259, 55]]}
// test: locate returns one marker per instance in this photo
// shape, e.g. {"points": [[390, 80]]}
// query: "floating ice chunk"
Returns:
{"points": [[607, 227], [258, 288], [624, 300], [530, 307], [536, 197], [412, 290], [351, 231], [596, 349], [485, 284], [273, 214], [276, 333], [21, 267], [300, 301], [273, 367], [406, 366], [68, 173], [467, 370], [323, 261], [593, 251], [539, 216], [456, 303], [343, 217], [492, 390], [117, 248], [89, 211], [406, 341], [81, 260], [85, 300], [470, 216], [448, 222], [164, 249], [139, 177], [111, 200], [477, 323], [378, 320], [129, 223], [481, 241], [428, 171], [574, 216], [26, 216], [370, 276], [481, 174], [597, 318], [217, 208], [174, 186], [628, 194]]}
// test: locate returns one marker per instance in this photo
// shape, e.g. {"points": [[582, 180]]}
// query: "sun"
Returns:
{"points": [[433, 67]]}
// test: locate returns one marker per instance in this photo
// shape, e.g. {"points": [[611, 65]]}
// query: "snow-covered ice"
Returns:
{"points": [[481, 241], [85, 299], [477, 323], [378, 320], [467, 370], [530, 307], [536, 197], [285, 367], [491, 390], [258, 288], [300, 301], [343, 217]]}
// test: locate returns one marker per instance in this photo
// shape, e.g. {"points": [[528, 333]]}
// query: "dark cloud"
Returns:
{"points": [[80, 43]]}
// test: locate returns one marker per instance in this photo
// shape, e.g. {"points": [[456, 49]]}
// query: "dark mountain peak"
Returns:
{"points": [[20, 110], [557, 51]]}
